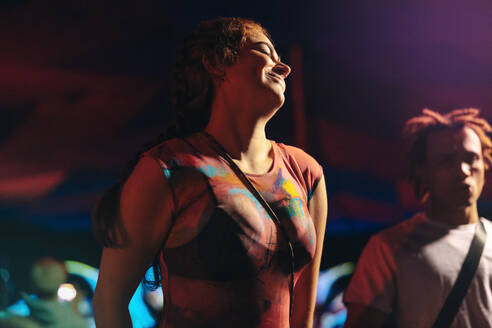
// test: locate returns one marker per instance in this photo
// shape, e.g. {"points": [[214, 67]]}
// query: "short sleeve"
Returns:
{"points": [[305, 167], [373, 281], [160, 154]]}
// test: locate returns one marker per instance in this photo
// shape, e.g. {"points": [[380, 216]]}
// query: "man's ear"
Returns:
{"points": [[215, 70]]}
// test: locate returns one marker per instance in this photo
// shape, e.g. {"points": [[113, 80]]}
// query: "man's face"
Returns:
{"points": [[454, 171]]}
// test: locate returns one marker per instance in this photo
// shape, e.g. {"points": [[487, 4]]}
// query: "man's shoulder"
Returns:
{"points": [[487, 223], [394, 235]]}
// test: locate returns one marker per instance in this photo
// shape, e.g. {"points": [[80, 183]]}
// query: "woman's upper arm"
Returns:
{"points": [[146, 207], [318, 208], [305, 291]]}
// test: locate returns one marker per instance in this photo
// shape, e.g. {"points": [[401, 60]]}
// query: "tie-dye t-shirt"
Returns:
{"points": [[225, 263]]}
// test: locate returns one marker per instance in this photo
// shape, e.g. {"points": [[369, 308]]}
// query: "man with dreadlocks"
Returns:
{"points": [[406, 272]]}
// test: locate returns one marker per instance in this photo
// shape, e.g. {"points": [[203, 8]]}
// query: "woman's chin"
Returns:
{"points": [[278, 99]]}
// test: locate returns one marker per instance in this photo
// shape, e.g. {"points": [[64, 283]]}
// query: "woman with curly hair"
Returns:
{"points": [[233, 221]]}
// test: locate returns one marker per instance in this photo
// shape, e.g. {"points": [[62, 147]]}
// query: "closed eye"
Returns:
{"points": [[267, 50], [264, 49]]}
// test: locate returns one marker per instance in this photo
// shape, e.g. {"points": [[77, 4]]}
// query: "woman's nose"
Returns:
{"points": [[282, 69]]}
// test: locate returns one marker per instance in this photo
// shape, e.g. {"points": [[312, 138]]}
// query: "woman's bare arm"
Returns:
{"points": [[146, 207], [305, 291]]}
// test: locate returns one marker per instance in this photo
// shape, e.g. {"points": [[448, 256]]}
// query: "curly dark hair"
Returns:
{"points": [[218, 42], [417, 130]]}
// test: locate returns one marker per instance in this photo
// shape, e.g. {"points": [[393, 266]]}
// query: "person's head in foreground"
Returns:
{"points": [[225, 260]]}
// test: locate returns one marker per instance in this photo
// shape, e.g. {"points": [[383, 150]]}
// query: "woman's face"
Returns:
{"points": [[258, 74]]}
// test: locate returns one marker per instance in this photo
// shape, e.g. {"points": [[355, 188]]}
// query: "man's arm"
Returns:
{"points": [[363, 316], [370, 295]]}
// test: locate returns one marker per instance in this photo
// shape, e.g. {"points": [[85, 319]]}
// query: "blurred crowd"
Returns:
{"points": [[59, 298], [55, 299]]}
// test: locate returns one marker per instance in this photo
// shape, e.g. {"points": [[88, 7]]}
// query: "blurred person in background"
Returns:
{"points": [[46, 310], [224, 260], [406, 272]]}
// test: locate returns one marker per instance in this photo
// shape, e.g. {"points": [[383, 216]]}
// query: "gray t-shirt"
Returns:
{"points": [[409, 270]]}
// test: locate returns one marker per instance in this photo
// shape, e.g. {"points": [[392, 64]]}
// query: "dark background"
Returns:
{"points": [[84, 84]]}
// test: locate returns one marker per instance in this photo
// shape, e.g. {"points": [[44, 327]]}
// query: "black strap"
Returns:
{"points": [[468, 269], [247, 182]]}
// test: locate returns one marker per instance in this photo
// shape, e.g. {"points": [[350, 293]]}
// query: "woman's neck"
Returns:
{"points": [[243, 137]]}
